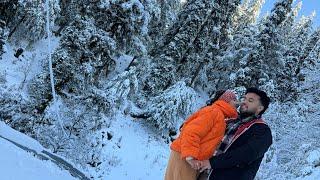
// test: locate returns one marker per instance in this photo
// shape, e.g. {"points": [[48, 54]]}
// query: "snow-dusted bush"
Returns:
{"points": [[122, 87], [81, 139], [295, 135], [170, 108], [18, 112], [40, 91]]}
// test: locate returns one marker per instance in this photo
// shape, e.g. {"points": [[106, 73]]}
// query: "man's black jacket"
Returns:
{"points": [[242, 160]]}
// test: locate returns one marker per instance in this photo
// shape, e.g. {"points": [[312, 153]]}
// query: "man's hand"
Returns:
{"points": [[205, 164], [195, 164]]}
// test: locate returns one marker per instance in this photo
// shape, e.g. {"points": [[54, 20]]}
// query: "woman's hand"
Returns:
{"points": [[195, 164], [205, 164]]}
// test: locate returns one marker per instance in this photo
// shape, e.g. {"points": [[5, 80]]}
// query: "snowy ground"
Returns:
{"points": [[17, 164], [18, 71], [139, 155]]}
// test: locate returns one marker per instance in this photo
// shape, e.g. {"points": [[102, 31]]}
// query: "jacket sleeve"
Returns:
{"points": [[257, 145], [196, 130]]}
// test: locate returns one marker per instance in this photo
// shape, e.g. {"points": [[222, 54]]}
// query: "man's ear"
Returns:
{"points": [[260, 108]]}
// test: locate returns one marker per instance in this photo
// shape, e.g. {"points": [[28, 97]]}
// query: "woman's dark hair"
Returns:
{"points": [[216, 97], [264, 99]]}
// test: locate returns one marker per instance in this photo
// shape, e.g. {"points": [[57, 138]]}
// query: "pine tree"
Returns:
{"points": [[19, 112], [7, 11], [79, 63], [168, 110], [246, 14], [231, 63], [69, 10], [202, 27], [83, 120], [265, 62], [311, 49], [296, 43], [163, 13], [126, 22], [84, 56], [176, 44], [29, 22], [286, 27], [3, 37], [215, 38], [239, 54]]}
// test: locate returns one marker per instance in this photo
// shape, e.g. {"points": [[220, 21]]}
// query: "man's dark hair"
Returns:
{"points": [[264, 99]]}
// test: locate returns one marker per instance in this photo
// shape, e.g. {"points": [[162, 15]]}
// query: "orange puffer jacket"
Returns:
{"points": [[203, 131]]}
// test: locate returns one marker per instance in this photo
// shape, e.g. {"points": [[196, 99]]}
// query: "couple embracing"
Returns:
{"points": [[218, 144]]}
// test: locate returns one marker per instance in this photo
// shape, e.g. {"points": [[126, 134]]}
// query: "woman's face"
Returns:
{"points": [[235, 103]]}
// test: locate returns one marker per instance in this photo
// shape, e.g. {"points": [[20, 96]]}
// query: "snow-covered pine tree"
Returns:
{"points": [[212, 40], [69, 9], [290, 152], [123, 88], [295, 45], [201, 27], [168, 110], [3, 34], [246, 14], [263, 65], [18, 112], [215, 37], [83, 119], [29, 22], [7, 11], [286, 27], [240, 52], [82, 59], [126, 22], [244, 43], [309, 56], [84, 56], [163, 14], [175, 46]]}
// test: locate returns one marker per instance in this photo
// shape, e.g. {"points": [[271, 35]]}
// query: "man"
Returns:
{"points": [[246, 140]]}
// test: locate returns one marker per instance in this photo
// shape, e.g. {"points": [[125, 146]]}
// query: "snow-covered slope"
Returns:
{"points": [[17, 164], [137, 154]]}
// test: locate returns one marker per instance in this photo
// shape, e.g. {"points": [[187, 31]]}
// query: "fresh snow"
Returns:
{"points": [[17, 164], [138, 155]]}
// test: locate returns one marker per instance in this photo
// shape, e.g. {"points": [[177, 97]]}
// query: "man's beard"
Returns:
{"points": [[245, 114]]}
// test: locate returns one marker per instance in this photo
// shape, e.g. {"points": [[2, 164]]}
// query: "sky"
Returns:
{"points": [[308, 6]]}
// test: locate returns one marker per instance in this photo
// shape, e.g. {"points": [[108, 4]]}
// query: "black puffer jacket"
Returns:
{"points": [[243, 158]]}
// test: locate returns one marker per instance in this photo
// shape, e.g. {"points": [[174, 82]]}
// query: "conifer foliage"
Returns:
{"points": [[174, 52]]}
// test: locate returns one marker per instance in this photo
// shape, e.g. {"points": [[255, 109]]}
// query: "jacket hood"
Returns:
{"points": [[228, 110]]}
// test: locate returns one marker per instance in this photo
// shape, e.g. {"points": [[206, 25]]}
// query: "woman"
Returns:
{"points": [[200, 135]]}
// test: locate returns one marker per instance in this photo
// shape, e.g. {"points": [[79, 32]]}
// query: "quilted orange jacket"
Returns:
{"points": [[202, 132]]}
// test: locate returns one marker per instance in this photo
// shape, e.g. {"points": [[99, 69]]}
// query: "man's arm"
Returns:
{"points": [[255, 148]]}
